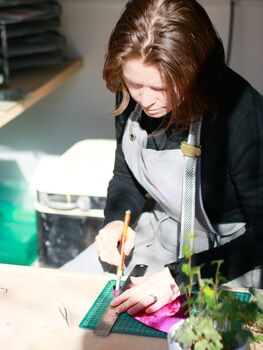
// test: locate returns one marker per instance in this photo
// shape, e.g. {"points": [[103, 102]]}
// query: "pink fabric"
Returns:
{"points": [[164, 318]]}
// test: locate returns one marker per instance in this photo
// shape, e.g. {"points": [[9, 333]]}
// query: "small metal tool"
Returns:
{"points": [[110, 316], [120, 268]]}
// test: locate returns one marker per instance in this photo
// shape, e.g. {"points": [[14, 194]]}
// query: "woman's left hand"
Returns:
{"points": [[147, 293]]}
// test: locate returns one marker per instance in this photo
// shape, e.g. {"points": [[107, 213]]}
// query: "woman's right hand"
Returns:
{"points": [[108, 239]]}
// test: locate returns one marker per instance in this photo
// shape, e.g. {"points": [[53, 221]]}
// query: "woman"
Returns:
{"points": [[166, 63]]}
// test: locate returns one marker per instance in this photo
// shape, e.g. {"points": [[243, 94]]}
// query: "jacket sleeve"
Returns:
{"points": [[124, 192], [244, 139]]}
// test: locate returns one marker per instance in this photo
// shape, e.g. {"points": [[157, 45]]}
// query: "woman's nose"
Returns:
{"points": [[146, 97]]}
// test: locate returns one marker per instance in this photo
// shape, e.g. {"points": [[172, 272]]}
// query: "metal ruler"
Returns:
{"points": [[110, 316]]}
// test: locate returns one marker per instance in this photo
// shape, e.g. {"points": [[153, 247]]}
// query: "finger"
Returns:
{"points": [[155, 307], [132, 305], [160, 303], [120, 299], [143, 304], [111, 257], [105, 257], [100, 243], [107, 253], [129, 244]]}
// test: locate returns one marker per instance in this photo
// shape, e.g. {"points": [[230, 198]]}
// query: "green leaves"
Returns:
{"points": [[199, 333], [186, 269], [217, 317], [187, 247], [186, 251]]}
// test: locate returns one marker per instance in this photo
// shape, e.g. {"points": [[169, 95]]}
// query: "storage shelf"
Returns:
{"points": [[35, 83]]}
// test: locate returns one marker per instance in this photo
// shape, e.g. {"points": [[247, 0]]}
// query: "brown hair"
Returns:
{"points": [[178, 37]]}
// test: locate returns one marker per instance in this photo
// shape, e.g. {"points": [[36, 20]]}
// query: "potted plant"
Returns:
{"points": [[217, 318], [256, 326]]}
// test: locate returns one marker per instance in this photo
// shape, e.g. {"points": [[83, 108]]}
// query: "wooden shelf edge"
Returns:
{"points": [[41, 91]]}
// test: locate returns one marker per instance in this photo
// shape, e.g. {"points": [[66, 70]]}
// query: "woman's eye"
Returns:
{"points": [[133, 85], [159, 89]]}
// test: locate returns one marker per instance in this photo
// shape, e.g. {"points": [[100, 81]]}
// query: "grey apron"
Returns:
{"points": [[158, 231], [161, 174]]}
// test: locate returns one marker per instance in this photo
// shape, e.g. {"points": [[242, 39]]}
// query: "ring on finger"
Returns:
{"points": [[154, 297]]}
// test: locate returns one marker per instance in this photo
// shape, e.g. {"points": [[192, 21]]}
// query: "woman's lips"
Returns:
{"points": [[152, 111]]}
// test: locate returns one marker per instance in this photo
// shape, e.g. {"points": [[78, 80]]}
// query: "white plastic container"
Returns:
{"points": [[71, 194]]}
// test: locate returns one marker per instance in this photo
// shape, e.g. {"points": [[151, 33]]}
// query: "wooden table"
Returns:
{"points": [[30, 318], [30, 298]]}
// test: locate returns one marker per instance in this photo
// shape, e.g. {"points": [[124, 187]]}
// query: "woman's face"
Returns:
{"points": [[146, 86]]}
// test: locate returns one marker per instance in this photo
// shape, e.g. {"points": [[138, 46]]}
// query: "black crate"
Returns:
{"points": [[62, 237]]}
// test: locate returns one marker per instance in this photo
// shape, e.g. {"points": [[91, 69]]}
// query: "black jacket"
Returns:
{"points": [[231, 176]]}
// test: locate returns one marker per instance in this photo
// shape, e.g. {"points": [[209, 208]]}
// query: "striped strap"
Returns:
{"points": [[191, 150]]}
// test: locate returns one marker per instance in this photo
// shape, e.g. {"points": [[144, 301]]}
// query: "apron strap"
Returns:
{"points": [[191, 150]]}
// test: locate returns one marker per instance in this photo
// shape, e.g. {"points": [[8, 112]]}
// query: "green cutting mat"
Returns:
{"points": [[125, 324], [243, 296]]}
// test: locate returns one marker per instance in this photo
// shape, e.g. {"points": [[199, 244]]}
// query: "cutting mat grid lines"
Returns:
{"points": [[243, 296], [125, 324]]}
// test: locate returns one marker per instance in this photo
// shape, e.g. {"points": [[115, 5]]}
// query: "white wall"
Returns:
{"points": [[80, 108], [247, 55], [247, 45]]}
